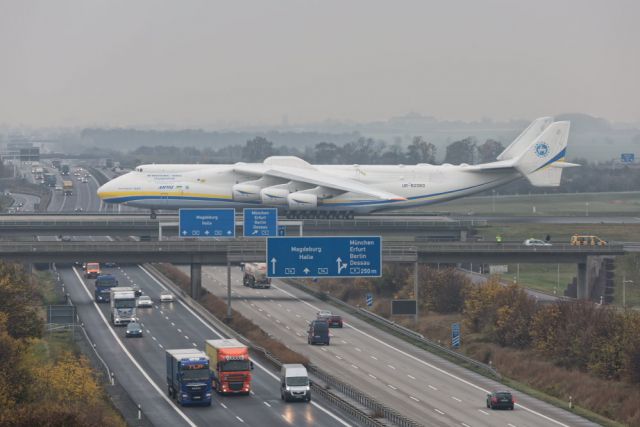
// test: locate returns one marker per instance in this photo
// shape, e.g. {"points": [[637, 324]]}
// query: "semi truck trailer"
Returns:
{"points": [[189, 376], [230, 366], [255, 275], [67, 187], [103, 285], [123, 305]]}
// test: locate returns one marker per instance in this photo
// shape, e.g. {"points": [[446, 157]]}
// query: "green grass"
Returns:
{"points": [[542, 277], [560, 233], [574, 204]]}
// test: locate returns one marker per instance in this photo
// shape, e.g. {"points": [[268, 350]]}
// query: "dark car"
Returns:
{"points": [[134, 330], [500, 399], [318, 332], [334, 320]]}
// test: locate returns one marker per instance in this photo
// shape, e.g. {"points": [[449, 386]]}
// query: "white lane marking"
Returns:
{"points": [[186, 337], [438, 411], [404, 353], [133, 360], [414, 398], [344, 342], [354, 367], [173, 324], [511, 425], [465, 425], [267, 403], [160, 345], [323, 349], [223, 405], [433, 388], [357, 349], [239, 419], [154, 338], [391, 387], [456, 399], [373, 357], [373, 376], [179, 330], [484, 412], [297, 315], [411, 376], [338, 357], [194, 344], [166, 317], [148, 331], [391, 367], [259, 365]]}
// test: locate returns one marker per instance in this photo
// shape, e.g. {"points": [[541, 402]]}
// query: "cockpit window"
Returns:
{"points": [[138, 169]]}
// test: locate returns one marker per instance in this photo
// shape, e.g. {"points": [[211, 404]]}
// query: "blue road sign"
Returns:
{"points": [[627, 157], [282, 230], [207, 223], [260, 222], [455, 335], [324, 256], [369, 300]]}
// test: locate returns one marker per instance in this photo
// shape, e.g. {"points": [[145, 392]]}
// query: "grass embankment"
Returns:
{"points": [[238, 322], [523, 370], [573, 204]]}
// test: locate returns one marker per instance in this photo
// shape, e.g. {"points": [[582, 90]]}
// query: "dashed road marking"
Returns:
{"points": [[432, 387], [456, 399], [438, 411], [392, 367], [373, 357], [391, 387], [414, 398], [223, 405], [239, 419], [411, 376], [484, 412], [267, 403], [373, 376]]}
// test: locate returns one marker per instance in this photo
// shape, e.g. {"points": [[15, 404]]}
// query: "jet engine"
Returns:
{"points": [[275, 195], [302, 201], [246, 192]]}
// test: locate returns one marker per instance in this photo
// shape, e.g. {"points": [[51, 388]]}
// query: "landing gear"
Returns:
{"points": [[153, 214]]}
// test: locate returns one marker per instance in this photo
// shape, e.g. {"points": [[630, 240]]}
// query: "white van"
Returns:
{"points": [[294, 383]]}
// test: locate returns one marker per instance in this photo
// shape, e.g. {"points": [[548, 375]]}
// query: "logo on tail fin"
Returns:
{"points": [[542, 149]]}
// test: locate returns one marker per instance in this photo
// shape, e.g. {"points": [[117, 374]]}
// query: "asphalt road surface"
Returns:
{"points": [[415, 382]]}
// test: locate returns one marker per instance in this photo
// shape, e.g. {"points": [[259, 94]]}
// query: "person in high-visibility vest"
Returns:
{"points": [[498, 239]]}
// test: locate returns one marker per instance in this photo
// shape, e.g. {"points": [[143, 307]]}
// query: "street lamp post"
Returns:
{"points": [[493, 201]]}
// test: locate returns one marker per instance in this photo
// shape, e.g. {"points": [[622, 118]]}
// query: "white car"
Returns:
{"points": [[144, 301], [166, 296], [536, 242]]}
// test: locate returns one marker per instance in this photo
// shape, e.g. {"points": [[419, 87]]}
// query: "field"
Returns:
{"points": [[575, 204]]}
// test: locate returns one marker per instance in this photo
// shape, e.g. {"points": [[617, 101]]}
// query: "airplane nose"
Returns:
{"points": [[106, 190]]}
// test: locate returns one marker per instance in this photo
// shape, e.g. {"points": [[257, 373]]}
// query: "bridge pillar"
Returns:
{"points": [[196, 279], [583, 285]]}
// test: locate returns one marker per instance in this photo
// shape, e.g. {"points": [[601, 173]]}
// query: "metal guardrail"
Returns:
{"points": [[356, 395]]}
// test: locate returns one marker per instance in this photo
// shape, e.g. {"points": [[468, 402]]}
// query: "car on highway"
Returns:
{"points": [[166, 296], [78, 209], [536, 242], [134, 330], [500, 399], [65, 238], [318, 332], [109, 264], [334, 320], [144, 301], [58, 188]]}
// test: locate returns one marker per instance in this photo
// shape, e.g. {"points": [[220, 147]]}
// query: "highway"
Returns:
{"points": [[173, 325], [139, 364], [414, 382]]}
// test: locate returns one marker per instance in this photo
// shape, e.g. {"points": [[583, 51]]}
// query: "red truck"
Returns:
{"points": [[230, 366]]}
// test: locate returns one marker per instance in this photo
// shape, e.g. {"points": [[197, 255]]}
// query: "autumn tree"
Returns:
{"points": [[463, 151], [421, 151]]}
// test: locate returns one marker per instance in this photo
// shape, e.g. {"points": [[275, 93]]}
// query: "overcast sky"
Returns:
{"points": [[209, 63]]}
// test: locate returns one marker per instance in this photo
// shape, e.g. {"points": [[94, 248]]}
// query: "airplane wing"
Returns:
{"points": [[304, 172]]}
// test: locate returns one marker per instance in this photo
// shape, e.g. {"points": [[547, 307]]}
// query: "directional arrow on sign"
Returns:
{"points": [[206, 232], [306, 271], [273, 265], [184, 232], [341, 266]]}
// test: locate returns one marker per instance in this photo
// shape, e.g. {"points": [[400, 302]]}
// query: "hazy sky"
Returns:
{"points": [[189, 63]]}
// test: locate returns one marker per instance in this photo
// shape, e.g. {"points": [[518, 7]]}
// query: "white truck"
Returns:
{"points": [[255, 275], [123, 305]]}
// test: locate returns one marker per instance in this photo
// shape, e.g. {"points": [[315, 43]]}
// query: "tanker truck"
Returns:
{"points": [[255, 275]]}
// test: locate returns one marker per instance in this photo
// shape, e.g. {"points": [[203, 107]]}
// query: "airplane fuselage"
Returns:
{"points": [[210, 186]]}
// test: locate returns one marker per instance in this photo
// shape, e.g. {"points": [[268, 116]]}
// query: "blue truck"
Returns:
{"points": [[188, 376], [103, 286]]}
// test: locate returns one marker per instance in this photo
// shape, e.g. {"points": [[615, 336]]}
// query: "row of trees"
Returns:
{"points": [[34, 389], [577, 335], [360, 151]]}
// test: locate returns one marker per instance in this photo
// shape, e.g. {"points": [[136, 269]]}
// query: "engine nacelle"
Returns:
{"points": [[274, 195], [246, 192], [302, 201]]}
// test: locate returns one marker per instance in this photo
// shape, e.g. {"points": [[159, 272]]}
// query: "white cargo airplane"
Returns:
{"points": [[304, 190]]}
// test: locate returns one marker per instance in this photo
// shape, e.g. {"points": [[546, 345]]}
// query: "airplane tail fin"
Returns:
{"points": [[525, 139], [542, 160]]}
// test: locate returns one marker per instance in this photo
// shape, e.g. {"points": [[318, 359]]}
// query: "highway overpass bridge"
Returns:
{"points": [[419, 228], [227, 252]]}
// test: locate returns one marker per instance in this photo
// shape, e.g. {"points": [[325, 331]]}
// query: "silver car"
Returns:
{"points": [[144, 301]]}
